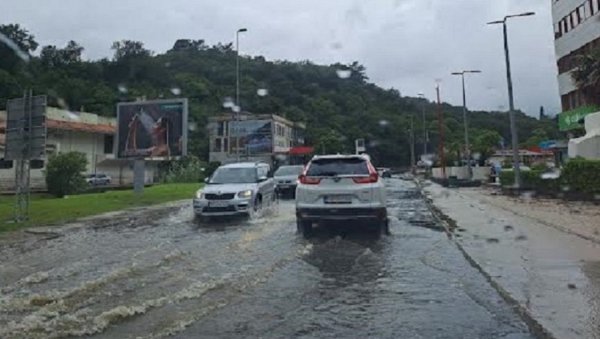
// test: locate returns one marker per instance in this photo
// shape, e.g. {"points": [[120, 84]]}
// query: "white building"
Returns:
{"points": [[576, 30], [87, 133], [261, 137]]}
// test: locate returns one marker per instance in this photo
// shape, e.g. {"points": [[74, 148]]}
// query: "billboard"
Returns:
{"points": [[572, 119], [255, 136], [152, 129]]}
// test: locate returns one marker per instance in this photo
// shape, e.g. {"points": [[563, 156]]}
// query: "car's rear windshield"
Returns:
{"points": [[342, 166], [289, 170]]}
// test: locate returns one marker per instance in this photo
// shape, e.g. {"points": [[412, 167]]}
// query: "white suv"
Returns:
{"points": [[340, 187]]}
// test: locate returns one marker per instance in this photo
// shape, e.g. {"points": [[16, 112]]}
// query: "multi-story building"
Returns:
{"points": [[576, 31], [254, 137]]}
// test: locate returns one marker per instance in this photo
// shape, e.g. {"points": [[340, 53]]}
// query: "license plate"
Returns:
{"points": [[338, 199], [283, 186], [218, 204]]}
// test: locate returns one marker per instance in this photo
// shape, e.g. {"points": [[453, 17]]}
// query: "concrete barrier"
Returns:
{"points": [[462, 173]]}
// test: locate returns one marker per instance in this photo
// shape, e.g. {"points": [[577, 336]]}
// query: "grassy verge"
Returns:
{"points": [[47, 210]]}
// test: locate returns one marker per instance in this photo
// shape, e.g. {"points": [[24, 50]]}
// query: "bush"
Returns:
{"points": [[530, 180], [582, 175], [63, 174], [186, 170]]}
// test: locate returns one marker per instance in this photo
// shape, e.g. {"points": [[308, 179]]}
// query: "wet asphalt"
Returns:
{"points": [[161, 274]]}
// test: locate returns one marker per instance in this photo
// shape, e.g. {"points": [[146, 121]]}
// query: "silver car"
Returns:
{"points": [[235, 189], [286, 179]]}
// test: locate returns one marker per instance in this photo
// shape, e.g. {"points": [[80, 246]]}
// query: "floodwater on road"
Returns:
{"points": [[161, 274]]}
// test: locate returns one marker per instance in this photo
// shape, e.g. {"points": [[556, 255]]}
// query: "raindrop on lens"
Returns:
{"points": [[343, 73], [176, 91], [122, 88], [192, 126], [261, 92], [383, 123], [236, 108]]}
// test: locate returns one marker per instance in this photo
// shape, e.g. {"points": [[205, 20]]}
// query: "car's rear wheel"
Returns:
{"points": [[304, 227]]}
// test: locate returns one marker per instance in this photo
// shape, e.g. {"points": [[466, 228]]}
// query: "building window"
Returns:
{"points": [[221, 128], [108, 144], [217, 145], [225, 144]]}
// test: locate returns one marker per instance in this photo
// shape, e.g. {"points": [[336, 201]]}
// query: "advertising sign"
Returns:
{"points": [[571, 119], [255, 136], [152, 129]]}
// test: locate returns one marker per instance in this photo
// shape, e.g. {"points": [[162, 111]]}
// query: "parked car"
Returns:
{"points": [[384, 172], [286, 178], [340, 187], [235, 189], [98, 179]]}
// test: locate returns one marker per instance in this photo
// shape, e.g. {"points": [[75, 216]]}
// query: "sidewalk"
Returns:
{"points": [[544, 255]]}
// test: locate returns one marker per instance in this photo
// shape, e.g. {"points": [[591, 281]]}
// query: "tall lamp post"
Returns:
{"points": [[237, 88], [511, 100], [465, 122]]}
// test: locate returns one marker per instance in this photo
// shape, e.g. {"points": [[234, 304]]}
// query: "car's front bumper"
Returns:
{"points": [[340, 214], [232, 207]]}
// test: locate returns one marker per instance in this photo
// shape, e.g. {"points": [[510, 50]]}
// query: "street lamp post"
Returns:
{"points": [[237, 88], [465, 122], [511, 100]]}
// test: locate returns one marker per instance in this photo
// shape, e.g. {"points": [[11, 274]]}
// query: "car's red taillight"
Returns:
{"points": [[308, 180], [372, 178]]}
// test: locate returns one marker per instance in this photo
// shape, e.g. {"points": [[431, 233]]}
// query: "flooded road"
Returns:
{"points": [[163, 275]]}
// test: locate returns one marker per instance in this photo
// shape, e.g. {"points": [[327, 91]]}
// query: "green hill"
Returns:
{"points": [[337, 101]]}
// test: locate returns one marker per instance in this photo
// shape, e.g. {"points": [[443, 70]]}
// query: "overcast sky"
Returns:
{"points": [[404, 44]]}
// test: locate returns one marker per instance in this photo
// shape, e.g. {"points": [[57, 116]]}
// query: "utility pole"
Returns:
{"points": [[412, 144], [425, 138], [465, 121], [441, 145], [511, 100]]}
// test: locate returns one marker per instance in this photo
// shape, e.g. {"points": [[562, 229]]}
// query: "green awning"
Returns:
{"points": [[569, 120]]}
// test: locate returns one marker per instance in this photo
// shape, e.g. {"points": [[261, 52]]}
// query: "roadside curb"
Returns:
{"points": [[450, 225]]}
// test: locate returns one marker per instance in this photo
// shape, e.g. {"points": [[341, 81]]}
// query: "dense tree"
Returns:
{"points": [[587, 74], [15, 45], [337, 102]]}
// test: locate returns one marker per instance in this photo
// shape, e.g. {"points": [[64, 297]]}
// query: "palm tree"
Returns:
{"points": [[587, 75]]}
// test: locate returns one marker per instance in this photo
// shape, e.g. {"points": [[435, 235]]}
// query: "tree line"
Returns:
{"points": [[337, 102]]}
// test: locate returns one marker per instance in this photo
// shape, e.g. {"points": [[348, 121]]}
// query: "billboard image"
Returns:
{"points": [[152, 129], [255, 136]]}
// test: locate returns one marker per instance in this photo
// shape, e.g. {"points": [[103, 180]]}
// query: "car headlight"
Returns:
{"points": [[199, 195], [245, 194]]}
